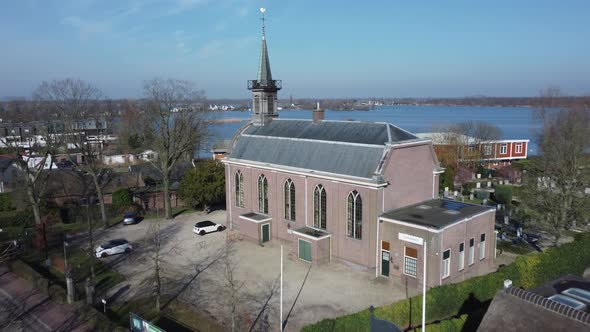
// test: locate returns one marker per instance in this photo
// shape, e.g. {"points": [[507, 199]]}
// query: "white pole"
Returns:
{"points": [[424, 292], [281, 294]]}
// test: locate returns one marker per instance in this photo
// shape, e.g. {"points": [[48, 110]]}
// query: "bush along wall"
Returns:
{"points": [[453, 300]]}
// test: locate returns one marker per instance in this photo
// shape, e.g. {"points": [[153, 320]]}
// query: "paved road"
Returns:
{"points": [[24, 308]]}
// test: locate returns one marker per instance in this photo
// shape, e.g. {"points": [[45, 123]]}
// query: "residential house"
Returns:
{"points": [[492, 153], [560, 305]]}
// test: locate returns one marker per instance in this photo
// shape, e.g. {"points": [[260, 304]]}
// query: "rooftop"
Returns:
{"points": [[436, 213], [375, 133], [348, 148], [516, 309], [316, 233]]}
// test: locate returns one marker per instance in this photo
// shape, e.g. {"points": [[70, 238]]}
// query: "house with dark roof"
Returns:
{"points": [[361, 192], [560, 305], [10, 174]]}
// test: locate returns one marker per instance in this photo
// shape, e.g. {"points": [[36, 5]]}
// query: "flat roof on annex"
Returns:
{"points": [[436, 213]]}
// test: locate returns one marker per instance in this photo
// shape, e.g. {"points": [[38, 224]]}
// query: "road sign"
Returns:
{"points": [[138, 324]]}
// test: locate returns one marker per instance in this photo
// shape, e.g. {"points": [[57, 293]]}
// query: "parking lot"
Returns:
{"points": [[195, 271]]}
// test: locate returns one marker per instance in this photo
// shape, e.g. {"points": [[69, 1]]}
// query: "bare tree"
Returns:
{"points": [[32, 154], [174, 126], [76, 104], [554, 191], [233, 288], [154, 240]]}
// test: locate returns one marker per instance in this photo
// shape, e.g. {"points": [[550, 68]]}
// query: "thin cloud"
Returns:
{"points": [[181, 6], [86, 28], [224, 46], [243, 12]]}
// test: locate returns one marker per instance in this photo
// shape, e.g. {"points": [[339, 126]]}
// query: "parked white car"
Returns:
{"points": [[113, 247], [207, 226]]}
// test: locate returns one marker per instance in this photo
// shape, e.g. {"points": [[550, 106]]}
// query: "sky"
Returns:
{"points": [[319, 49]]}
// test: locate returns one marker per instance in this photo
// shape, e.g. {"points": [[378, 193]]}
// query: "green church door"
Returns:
{"points": [[305, 251], [385, 263], [265, 233]]}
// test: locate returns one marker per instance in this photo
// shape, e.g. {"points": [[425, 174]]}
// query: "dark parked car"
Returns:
{"points": [[130, 218]]}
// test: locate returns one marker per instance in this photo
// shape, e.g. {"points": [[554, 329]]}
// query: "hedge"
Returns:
{"points": [[17, 218], [447, 301], [5, 202]]}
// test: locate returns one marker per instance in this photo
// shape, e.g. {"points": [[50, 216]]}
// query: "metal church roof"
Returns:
{"points": [[346, 148], [377, 133]]}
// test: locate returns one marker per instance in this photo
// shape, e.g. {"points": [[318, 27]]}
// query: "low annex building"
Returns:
{"points": [[348, 190]]}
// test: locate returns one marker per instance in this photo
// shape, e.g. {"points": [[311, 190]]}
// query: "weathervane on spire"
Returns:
{"points": [[262, 10]]}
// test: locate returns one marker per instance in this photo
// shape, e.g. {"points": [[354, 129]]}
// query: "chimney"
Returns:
{"points": [[318, 114]]}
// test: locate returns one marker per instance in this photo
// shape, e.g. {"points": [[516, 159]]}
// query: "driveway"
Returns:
{"points": [[195, 270]]}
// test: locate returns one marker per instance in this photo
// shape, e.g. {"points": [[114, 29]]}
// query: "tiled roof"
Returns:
{"points": [[330, 157], [336, 131], [339, 147]]}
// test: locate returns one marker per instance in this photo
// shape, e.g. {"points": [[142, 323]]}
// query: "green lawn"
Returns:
{"points": [[181, 312]]}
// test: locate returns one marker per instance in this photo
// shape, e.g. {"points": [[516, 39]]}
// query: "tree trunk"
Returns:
{"points": [[167, 201], [91, 243], [34, 204], [103, 212]]}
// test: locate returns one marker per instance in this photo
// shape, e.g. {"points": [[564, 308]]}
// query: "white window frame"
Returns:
{"points": [[410, 258], [239, 188], [518, 148], [503, 148], [461, 256], [471, 256], [446, 264], [356, 202], [482, 247], [487, 149]]}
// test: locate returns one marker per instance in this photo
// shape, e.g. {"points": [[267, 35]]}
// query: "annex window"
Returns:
{"points": [[503, 148], [471, 250], [262, 194], [446, 263], [355, 215], [518, 148], [482, 247], [487, 149], [239, 188], [319, 207], [289, 193], [461, 256], [410, 262]]}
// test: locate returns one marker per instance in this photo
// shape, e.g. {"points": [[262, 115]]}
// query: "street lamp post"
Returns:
{"points": [[65, 243]]}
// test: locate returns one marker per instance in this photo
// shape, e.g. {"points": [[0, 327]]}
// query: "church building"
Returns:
{"points": [[361, 192]]}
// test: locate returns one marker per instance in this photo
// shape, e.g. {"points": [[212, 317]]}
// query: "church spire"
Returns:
{"points": [[264, 74], [264, 88]]}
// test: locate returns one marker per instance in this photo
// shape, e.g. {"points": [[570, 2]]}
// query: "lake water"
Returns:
{"points": [[514, 122]]}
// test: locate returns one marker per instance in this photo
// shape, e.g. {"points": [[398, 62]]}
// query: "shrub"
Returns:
{"points": [[482, 194], [5, 202], [122, 197], [203, 185], [17, 218], [503, 194], [446, 179], [448, 300]]}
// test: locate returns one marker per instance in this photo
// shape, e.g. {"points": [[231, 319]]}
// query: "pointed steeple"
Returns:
{"points": [[264, 75], [264, 88]]}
